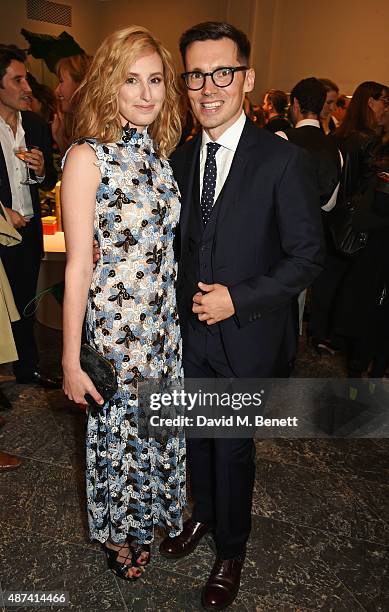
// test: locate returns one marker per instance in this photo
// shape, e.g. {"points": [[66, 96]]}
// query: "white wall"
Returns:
{"points": [[167, 19], [13, 17], [344, 41], [291, 39]]}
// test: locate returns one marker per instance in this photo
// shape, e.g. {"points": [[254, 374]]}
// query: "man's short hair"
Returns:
{"points": [[7, 54], [215, 30], [310, 94], [278, 99], [329, 85]]}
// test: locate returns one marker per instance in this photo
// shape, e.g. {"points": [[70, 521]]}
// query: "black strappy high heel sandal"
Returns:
{"points": [[138, 550], [119, 568]]}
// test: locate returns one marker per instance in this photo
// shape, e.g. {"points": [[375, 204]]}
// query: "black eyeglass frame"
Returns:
{"points": [[205, 74]]}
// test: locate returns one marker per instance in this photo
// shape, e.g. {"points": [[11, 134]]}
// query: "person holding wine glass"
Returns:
{"points": [[31, 156], [26, 134]]}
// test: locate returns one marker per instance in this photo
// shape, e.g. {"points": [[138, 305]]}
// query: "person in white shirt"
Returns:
{"points": [[250, 240], [20, 128], [307, 98]]}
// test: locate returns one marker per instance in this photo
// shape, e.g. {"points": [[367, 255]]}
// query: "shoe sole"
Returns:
{"points": [[216, 609], [8, 468]]}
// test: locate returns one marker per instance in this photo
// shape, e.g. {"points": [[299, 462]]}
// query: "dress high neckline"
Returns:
{"points": [[131, 134]]}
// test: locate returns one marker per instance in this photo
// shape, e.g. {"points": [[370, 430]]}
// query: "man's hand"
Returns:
{"points": [[16, 218], [34, 160], [213, 303]]}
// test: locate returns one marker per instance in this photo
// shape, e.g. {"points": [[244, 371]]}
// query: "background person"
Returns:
{"points": [[8, 313], [18, 128], [361, 288], [306, 99], [71, 72], [275, 105], [339, 111], [43, 101], [327, 123]]}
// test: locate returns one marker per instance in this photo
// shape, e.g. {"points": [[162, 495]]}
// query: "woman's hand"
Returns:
{"points": [[76, 384]]}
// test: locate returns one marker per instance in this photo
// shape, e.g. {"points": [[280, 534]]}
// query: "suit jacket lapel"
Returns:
{"points": [[248, 145], [28, 128], [230, 193], [190, 166]]}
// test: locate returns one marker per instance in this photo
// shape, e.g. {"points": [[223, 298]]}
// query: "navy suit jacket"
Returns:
{"points": [[268, 245], [36, 133]]}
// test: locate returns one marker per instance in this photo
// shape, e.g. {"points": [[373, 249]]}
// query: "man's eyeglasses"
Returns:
{"points": [[221, 77]]}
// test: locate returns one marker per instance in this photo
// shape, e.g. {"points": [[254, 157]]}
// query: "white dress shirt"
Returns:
{"points": [[16, 168], [315, 123], [311, 122], [228, 142]]}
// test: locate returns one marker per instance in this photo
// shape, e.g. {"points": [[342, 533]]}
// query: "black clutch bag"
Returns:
{"points": [[101, 372]]}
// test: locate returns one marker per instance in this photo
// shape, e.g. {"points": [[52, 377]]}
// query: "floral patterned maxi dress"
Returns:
{"points": [[134, 483]]}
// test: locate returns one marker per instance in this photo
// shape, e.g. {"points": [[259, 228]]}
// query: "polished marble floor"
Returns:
{"points": [[320, 537]]}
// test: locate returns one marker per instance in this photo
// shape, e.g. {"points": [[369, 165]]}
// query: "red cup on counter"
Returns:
{"points": [[49, 225]]}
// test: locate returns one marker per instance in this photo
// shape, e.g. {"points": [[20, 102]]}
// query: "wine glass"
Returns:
{"points": [[20, 152]]}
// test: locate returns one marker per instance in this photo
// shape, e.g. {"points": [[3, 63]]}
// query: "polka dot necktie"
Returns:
{"points": [[209, 181]]}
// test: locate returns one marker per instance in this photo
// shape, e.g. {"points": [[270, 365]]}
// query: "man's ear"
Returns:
{"points": [[296, 106], [249, 81]]}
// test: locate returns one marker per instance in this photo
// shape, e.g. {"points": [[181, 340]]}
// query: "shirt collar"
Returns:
{"points": [[230, 138], [312, 122], [19, 127], [18, 123]]}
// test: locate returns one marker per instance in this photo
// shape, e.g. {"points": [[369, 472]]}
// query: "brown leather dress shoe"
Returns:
{"points": [[223, 583], [186, 542], [9, 462]]}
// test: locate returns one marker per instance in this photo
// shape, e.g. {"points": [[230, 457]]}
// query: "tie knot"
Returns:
{"points": [[212, 148]]}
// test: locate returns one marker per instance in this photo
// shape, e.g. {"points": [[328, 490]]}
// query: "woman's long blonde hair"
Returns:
{"points": [[77, 66], [98, 110]]}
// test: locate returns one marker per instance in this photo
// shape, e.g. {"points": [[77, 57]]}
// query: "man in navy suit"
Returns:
{"points": [[250, 241], [19, 128]]}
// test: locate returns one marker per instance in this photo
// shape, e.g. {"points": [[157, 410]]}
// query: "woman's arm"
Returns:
{"points": [[80, 181]]}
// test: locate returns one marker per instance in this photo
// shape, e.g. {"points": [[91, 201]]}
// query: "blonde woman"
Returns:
{"points": [[71, 72], [118, 187]]}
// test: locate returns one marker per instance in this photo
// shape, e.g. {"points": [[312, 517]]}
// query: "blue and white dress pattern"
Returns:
{"points": [[134, 483]]}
